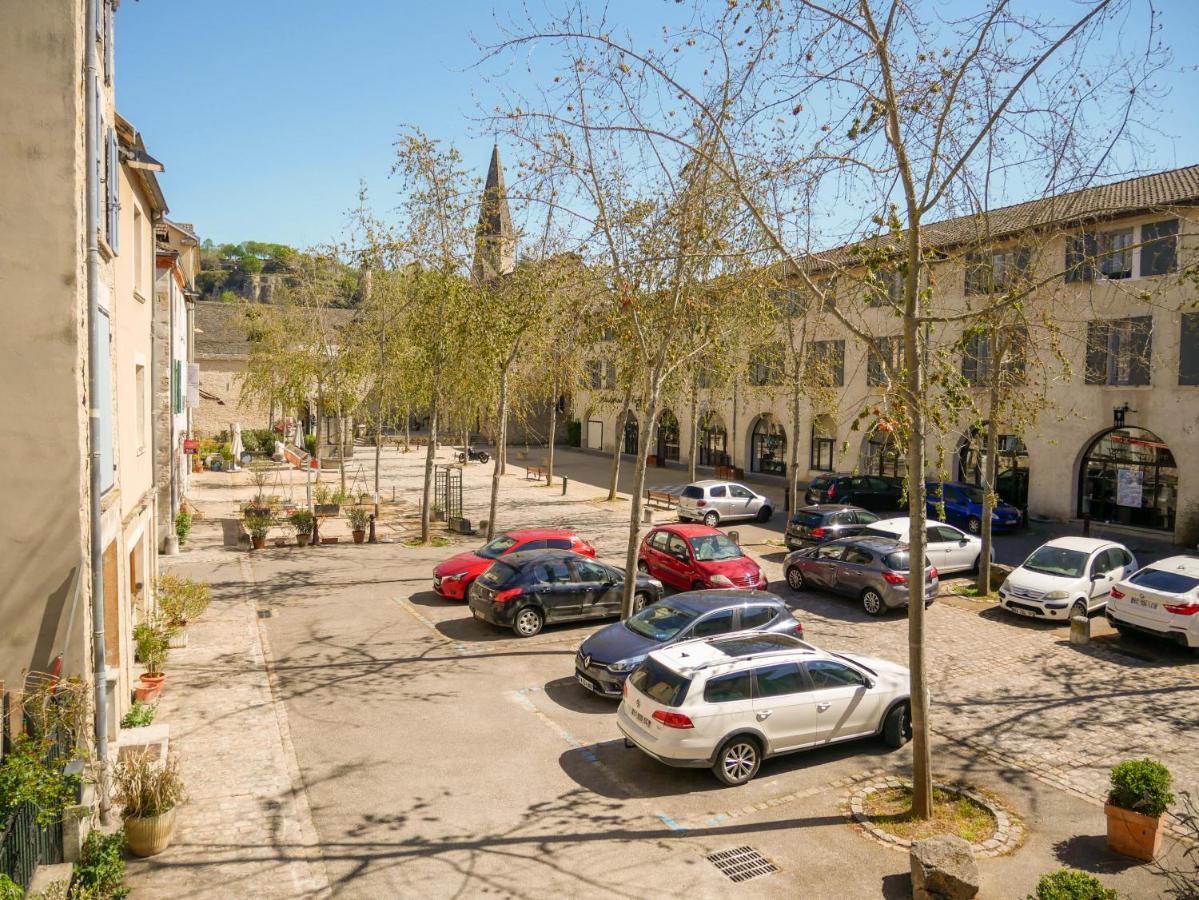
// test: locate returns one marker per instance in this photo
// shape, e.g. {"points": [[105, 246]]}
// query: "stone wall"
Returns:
{"points": [[221, 402]]}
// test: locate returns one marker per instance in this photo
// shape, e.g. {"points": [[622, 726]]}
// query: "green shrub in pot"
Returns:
{"points": [[1141, 785]]}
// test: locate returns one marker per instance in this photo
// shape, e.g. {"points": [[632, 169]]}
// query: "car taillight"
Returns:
{"points": [[673, 719], [933, 573], [894, 578], [1117, 594], [701, 502], [832, 491], [799, 629], [1181, 609], [505, 595], [817, 532]]}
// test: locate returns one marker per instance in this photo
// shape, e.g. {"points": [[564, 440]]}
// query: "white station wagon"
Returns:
{"points": [[728, 703], [1161, 599]]}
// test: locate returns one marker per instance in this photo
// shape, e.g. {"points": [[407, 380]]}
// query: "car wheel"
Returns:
{"points": [[765, 513], [872, 602], [738, 760], [1080, 609], [642, 567], [977, 561], [528, 622], [711, 519], [897, 729], [795, 578], [974, 525], [639, 602]]}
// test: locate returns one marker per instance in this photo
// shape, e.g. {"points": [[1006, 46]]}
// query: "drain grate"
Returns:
{"points": [[264, 613], [741, 863]]}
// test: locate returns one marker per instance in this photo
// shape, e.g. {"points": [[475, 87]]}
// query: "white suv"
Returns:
{"points": [[1161, 599], [730, 702]]}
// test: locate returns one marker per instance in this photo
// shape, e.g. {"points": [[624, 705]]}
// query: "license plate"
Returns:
{"points": [[583, 681], [1022, 612], [644, 720], [1148, 604]]}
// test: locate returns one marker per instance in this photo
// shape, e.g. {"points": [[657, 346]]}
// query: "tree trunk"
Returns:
{"points": [[378, 447], [620, 423], [793, 470], [341, 447], [990, 475], [407, 428], [430, 456], [501, 446], [549, 462], [630, 567], [693, 450]]}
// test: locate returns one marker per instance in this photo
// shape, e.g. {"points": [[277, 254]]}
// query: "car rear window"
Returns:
{"points": [[660, 684], [820, 482], [498, 574], [810, 519], [899, 561], [1166, 582], [692, 492]]}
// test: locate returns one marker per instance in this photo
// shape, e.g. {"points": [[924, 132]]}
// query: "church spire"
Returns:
{"points": [[495, 241]]}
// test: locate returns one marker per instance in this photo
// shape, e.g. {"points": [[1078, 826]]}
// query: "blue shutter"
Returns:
{"points": [[113, 203]]}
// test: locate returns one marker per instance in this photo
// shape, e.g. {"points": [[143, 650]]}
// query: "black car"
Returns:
{"points": [[525, 590], [874, 492], [814, 525], [606, 658]]}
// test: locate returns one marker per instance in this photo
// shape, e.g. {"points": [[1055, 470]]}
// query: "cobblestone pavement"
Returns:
{"points": [[246, 830]]}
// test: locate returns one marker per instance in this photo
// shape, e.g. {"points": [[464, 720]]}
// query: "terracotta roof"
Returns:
{"points": [[221, 329]]}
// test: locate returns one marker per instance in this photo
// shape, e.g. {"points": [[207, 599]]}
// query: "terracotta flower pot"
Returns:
{"points": [[302, 539], [258, 542], [149, 837], [359, 536], [1133, 834], [178, 639], [330, 540], [150, 686]]}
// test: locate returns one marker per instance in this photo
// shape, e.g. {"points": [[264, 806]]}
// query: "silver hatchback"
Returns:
{"points": [[713, 502], [871, 569]]}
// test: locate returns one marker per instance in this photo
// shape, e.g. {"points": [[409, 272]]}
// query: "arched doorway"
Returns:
{"points": [[667, 446], [1128, 476], [768, 446], [1012, 465], [631, 434], [593, 431], [881, 454], [713, 440]]}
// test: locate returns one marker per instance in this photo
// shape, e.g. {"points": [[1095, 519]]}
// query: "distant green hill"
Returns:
{"points": [[255, 271]]}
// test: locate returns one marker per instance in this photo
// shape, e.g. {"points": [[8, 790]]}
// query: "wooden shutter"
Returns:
{"points": [[1141, 350], [1188, 350], [1159, 247], [1096, 367], [112, 204], [970, 360], [974, 267]]}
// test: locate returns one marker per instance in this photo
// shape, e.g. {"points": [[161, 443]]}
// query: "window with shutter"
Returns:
{"points": [[1140, 349], [112, 203], [1080, 255], [1096, 367], [1188, 350], [1159, 247], [828, 362], [177, 387], [876, 369]]}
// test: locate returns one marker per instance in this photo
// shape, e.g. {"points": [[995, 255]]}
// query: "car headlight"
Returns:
{"points": [[721, 580], [453, 577], [1057, 595], [625, 665]]}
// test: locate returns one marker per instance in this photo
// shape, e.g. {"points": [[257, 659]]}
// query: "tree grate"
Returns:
{"points": [[741, 863]]}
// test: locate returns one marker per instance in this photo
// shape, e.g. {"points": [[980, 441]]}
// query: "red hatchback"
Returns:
{"points": [[452, 578], [691, 557]]}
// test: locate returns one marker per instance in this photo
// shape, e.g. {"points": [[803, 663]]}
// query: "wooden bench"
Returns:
{"points": [[661, 499], [537, 472]]}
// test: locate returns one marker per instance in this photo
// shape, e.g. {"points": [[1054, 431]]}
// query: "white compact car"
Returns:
{"points": [[1070, 576], [1160, 599], [713, 502], [949, 549], [730, 702]]}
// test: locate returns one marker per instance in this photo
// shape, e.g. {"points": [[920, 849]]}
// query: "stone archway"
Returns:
{"points": [[768, 446], [666, 444], [713, 440], [880, 453], [632, 434], [1128, 476]]}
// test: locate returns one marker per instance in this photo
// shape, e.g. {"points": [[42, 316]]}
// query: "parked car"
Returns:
{"points": [[964, 506], [1161, 599], [606, 658], [693, 557], [813, 525], [728, 703], [713, 502], [873, 569], [873, 492], [949, 549], [453, 577], [1066, 577], [525, 591]]}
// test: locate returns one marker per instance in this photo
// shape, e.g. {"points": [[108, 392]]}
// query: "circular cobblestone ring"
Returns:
{"points": [[1009, 830]]}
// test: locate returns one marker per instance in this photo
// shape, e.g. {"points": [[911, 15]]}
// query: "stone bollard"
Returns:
{"points": [[943, 868], [1080, 630], [647, 516], [735, 537], [564, 481]]}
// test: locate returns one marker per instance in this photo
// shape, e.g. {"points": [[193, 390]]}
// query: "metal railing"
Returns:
{"points": [[25, 845]]}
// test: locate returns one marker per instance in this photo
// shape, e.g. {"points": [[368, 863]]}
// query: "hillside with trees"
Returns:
{"points": [[255, 271]]}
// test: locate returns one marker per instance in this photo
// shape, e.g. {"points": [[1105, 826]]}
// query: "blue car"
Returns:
{"points": [[964, 507]]}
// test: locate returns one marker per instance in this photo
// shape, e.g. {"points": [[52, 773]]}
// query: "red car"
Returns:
{"points": [[691, 557], [452, 578]]}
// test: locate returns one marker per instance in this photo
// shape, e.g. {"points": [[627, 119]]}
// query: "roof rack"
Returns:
{"points": [[797, 646]]}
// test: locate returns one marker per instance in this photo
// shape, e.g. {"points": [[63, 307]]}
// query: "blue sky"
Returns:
{"points": [[268, 114]]}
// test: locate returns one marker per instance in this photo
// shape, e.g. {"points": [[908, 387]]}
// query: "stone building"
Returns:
{"points": [[1116, 440]]}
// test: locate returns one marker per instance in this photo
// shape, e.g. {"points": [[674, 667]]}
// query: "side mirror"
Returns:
{"points": [[1096, 576], [963, 542]]}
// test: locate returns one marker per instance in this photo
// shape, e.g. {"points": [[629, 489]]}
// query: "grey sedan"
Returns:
{"points": [[872, 569]]}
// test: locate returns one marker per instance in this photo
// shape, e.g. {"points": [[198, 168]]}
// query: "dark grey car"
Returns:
{"points": [[606, 658], [872, 569], [824, 522]]}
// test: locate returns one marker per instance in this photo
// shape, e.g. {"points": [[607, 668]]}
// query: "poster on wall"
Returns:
{"points": [[1129, 483]]}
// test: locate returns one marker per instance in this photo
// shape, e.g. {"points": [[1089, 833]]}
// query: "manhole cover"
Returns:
{"points": [[264, 613], [741, 863]]}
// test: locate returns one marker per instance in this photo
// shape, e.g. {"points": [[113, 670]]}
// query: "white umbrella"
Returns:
{"points": [[238, 449]]}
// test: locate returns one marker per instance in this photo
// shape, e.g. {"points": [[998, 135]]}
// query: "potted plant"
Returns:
{"points": [[149, 792], [180, 600], [325, 501], [183, 525], [152, 643], [258, 525], [1140, 794], [359, 516], [301, 521]]}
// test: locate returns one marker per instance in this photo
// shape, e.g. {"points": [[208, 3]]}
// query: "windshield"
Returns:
{"points": [[1057, 561], [496, 548], [660, 622], [497, 575], [712, 547]]}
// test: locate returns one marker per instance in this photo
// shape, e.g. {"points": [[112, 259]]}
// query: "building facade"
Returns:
{"points": [[1115, 434]]}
